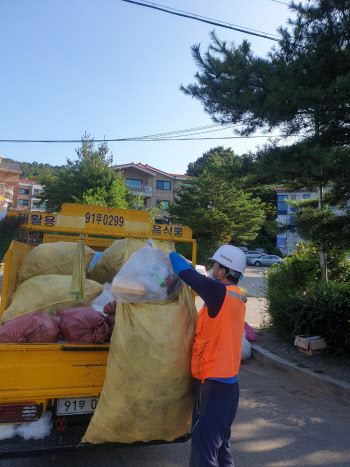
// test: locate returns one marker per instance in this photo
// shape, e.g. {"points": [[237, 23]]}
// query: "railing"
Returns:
{"points": [[8, 190]]}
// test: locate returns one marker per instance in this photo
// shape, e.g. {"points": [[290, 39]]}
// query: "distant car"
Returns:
{"points": [[266, 260], [252, 257], [254, 253]]}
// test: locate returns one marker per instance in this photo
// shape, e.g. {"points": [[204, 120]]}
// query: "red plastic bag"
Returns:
{"points": [[109, 310], [32, 328], [83, 325], [250, 334]]}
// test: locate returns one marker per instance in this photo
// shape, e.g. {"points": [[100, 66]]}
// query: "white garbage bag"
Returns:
{"points": [[147, 277], [246, 348]]}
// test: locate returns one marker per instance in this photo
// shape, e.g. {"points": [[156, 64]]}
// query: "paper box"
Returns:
{"points": [[310, 345]]}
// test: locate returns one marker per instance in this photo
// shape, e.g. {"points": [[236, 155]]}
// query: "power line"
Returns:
{"points": [[203, 19], [134, 140], [278, 1]]}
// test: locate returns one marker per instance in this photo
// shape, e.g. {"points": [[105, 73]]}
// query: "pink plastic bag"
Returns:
{"points": [[250, 334], [32, 328], [83, 325]]}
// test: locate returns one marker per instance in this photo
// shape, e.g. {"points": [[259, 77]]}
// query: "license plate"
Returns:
{"points": [[76, 405]]}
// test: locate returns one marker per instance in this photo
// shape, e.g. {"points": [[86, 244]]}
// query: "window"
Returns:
{"points": [[35, 203], [23, 191], [162, 185], [134, 184], [282, 207], [23, 202], [163, 204], [306, 196], [161, 221], [293, 197], [36, 191]]}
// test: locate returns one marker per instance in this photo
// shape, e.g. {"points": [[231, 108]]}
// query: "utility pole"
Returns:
{"points": [[323, 256]]}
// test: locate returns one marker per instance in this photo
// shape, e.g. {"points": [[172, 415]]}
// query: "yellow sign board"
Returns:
{"points": [[96, 220]]}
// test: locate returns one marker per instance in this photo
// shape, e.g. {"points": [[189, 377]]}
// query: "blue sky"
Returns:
{"points": [[113, 70]]}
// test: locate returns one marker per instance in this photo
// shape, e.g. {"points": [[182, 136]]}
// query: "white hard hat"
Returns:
{"points": [[231, 257]]}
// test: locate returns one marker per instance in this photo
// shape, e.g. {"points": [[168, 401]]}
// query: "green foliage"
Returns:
{"points": [[323, 227], [293, 285], [277, 251], [117, 196], [9, 225], [325, 310], [36, 170], [301, 88], [91, 172], [216, 210], [238, 166]]}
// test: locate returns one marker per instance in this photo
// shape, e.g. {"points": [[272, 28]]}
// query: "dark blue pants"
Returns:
{"points": [[214, 409]]}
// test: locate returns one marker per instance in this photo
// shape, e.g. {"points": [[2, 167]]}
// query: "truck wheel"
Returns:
{"points": [[257, 263]]}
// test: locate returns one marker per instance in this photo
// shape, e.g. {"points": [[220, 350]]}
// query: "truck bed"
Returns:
{"points": [[38, 372]]}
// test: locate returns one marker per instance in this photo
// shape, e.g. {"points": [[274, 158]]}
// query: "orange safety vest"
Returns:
{"points": [[216, 351]]}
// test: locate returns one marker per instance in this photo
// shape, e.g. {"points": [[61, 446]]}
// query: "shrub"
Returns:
{"points": [[277, 252], [325, 310], [300, 303]]}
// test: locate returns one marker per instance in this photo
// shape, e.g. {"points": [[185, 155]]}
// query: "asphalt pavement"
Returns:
{"points": [[279, 423]]}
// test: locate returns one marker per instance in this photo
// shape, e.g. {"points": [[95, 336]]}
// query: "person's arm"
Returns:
{"points": [[212, 292]]}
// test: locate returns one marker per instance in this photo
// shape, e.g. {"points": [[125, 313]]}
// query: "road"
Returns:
{"points": [[278, 424]]}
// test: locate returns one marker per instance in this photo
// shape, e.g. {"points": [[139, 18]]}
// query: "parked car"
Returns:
{"points": [[266, 260], [252, 258], [254, 252]]}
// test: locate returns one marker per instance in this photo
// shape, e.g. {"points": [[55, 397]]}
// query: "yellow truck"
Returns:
{"points": [[63, 378]]}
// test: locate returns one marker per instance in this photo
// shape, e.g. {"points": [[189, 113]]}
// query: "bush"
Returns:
{"points": [[285, 283], [325, 310], [300, 303], [277, 252]]}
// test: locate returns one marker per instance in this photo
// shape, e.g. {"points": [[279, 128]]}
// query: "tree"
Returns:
{"points": [[116, 196], [242, 173], [301, 88], [194, 169], [91, 174], [217, 212]]}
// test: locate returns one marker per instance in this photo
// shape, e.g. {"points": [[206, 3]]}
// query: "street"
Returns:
{"points": [[278, 424]]}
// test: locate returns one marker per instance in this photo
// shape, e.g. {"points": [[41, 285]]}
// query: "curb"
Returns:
{"points": [[325, 385]]}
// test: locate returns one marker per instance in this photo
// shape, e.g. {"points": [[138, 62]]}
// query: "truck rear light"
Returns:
{"points": [[21, 412]]}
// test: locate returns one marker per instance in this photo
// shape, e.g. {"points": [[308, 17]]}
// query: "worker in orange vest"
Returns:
{"points": [[216, 353]]}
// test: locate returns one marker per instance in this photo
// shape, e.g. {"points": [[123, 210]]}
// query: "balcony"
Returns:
{"points": [[143, 190], [7, 191]]}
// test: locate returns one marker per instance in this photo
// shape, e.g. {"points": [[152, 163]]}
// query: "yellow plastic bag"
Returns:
{"points": [[48, 293], [51, 258], [148, 390]]}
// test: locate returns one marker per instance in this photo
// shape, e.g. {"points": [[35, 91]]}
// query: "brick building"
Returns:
{"points": [[27, 196], [153, 184], [9, 179]]}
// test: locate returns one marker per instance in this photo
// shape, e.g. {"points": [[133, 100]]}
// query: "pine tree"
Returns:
{"points": [[301, 88]]}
